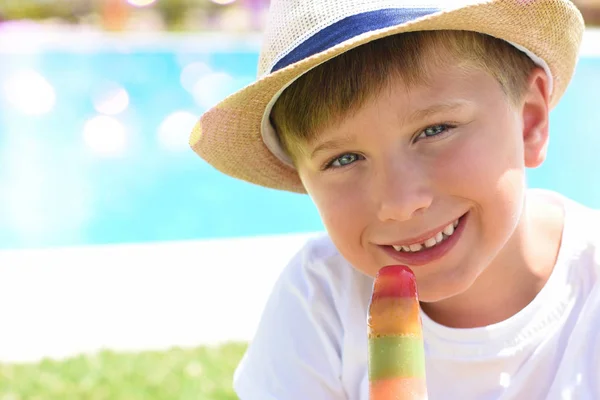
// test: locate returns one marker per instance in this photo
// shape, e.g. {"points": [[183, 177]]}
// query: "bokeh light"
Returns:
{"points": [[141, 3], [191, 73], [111, 99], [43, 196], [174, 132], [223, 2], [212, 88], [29, 92], [105, 136]]}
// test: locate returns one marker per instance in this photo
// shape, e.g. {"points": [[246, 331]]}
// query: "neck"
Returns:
{"points": [[513, 278]]}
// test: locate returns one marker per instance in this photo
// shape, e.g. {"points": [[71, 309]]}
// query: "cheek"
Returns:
{"points": [[487, 170], [340, 211], [344, 213], [335, 198], [481, 163], [345, 222]]}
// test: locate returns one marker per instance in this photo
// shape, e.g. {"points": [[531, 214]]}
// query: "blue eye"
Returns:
{"points": [[434, 130], [343, 160]]}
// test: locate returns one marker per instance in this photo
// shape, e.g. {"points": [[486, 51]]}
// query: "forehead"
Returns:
{"points": [[445, 90], [440, 79], [434, 75]]}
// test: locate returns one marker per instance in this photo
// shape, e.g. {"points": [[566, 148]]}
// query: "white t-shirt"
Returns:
{"points": [[311, 343]]}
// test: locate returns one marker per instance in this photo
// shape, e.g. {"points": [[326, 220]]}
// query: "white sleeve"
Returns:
{"points": [[295, 354]]}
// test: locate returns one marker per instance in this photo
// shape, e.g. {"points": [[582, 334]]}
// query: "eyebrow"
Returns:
{"points": [[331, 145], [436, 109], [414, 116]]}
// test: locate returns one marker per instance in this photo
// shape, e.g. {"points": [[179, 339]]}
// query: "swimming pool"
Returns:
{"points": [[93, 146]]}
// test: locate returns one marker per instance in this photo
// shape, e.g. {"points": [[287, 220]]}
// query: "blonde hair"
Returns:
{"points": [[330, 91]]}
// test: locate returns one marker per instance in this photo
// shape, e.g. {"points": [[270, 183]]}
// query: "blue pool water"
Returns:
{"points": [[70, 177]]}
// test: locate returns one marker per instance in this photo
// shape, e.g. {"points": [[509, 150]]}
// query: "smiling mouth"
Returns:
{"points": [[431, 242], [435, 242], [419, 253]]}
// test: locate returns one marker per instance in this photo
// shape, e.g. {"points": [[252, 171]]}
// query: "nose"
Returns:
{"points": [[404, 191]]}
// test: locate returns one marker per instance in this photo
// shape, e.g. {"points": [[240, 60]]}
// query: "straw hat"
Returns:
{"points": [[236, 137]]}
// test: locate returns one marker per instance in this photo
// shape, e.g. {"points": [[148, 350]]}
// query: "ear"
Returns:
{"points": [[535, 113]]}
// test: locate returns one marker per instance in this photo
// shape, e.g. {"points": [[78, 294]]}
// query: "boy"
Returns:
{"points": [[411, 127]]}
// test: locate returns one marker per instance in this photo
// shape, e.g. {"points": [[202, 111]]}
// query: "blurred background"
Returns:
{"points": [[129, 268]]}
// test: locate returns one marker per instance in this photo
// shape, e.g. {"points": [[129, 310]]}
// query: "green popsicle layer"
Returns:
{"points": [[396, 356]]}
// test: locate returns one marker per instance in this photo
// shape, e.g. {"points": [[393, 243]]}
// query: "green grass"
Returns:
{"points": [[203, 373]]}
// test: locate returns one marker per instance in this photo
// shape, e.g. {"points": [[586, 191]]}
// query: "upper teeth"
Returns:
{"points": [[432, 241]]}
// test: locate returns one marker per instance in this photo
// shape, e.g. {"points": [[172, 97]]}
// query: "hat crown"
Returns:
{"points": [[292, 22]]}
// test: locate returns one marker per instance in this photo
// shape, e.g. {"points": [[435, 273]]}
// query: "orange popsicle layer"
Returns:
{"points": [[394, 316], [413, 388]]}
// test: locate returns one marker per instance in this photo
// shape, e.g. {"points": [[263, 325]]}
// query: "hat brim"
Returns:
{"points": [[228, 136]]}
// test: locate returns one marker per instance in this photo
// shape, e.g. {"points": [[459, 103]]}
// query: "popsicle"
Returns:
{"points": [[396, 352]]}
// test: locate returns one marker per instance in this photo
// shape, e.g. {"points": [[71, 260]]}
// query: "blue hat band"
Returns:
{"points": [[350, 27]]}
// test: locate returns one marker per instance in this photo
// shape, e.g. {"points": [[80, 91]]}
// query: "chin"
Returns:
{"points": [[435, 297], [445, 286]]}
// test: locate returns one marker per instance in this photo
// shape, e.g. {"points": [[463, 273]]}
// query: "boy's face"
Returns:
{"points": [[412, 161]]}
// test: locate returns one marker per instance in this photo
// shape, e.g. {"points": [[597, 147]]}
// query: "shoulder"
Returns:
{"points": [[583, 223], [580, 220], [318, 260], [296, 350], [580, 241], [581, 237], [318, 249]]}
